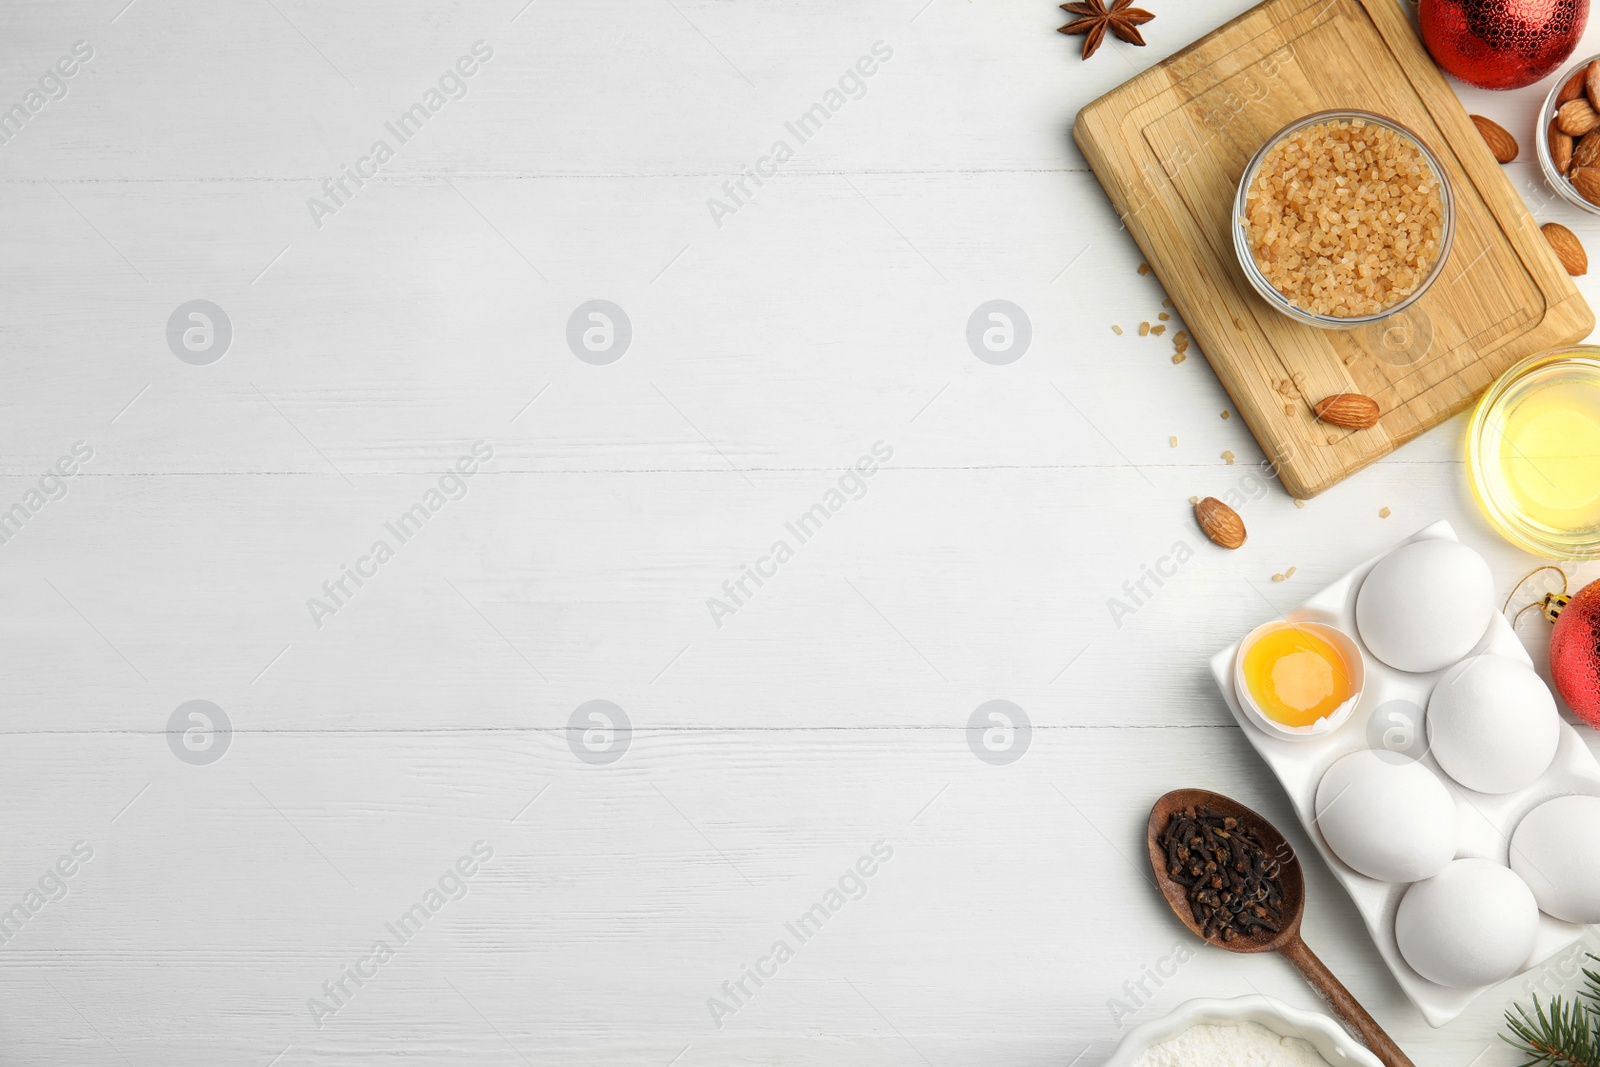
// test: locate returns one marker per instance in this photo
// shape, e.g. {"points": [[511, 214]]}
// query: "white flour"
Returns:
{"points": [[1232, 1045]]}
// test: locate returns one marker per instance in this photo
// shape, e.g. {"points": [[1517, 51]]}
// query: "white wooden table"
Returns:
{"points": [[771, 344]]}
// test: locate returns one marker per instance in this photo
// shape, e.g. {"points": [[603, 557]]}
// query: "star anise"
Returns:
{"points": [[1121, 18]]}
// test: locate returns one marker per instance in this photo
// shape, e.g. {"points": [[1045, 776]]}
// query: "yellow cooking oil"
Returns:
{"points": [[1536, 455]]}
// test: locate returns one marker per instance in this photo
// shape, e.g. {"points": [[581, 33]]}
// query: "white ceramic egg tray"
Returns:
{"points": [[1487, 822]]}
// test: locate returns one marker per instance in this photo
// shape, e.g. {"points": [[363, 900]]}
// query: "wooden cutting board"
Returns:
{"points": [[1170, 147]]}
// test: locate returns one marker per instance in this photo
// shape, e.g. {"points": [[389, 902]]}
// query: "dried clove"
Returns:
{"points": [[1233, 883]]}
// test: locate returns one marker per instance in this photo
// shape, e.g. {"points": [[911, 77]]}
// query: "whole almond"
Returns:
{"points": [[1577, 117], [1220, 523], [1569, 250], [1575, 85], [1586, 153], [1591, 84], [1560, 149], [1352, 411], [1497, 137], [1586, 180]]}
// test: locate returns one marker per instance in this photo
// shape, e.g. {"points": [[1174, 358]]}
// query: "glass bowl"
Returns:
{"points": [[1557, 180], [1533, 454], [1241, 239]]}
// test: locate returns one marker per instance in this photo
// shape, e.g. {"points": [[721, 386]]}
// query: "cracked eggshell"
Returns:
{"points": [[1388, 817], [1472, 924], [1425, 605], [1556, 850]]}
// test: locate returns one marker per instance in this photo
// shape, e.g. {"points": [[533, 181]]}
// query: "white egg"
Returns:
{"points": [[1425, 605], [1556, 850], [1389, 818], [1493, 725], [1472, 924]]}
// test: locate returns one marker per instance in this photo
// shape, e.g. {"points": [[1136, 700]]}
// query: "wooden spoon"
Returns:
{"points": [[1288, 941]]}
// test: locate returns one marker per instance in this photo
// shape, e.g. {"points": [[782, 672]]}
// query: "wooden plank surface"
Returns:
{"points": [[769, 354], [1171, 146]]}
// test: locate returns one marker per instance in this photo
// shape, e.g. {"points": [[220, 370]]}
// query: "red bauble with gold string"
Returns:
{"points": [[1575, 650]]}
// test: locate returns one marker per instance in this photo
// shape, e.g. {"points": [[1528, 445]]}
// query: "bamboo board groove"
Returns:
{"points": [[1170, 146]]}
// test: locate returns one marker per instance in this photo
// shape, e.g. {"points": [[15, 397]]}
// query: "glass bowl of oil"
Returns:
{"points": [[1533, 454]]}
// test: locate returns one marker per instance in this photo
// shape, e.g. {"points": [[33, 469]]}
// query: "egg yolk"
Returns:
{"points": [[1296, 676]]}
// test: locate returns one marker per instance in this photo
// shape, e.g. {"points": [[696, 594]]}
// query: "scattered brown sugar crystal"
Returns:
{"points": [[1173, 441], [1144, 329], [1117, 330], [1144, 268], [1384, 513], [1290, 573], [1166, 303], [1179, 357], [1158, 330], [1278, 577], [1345, 218], [1164, 317], [1228, 457], [1299, 503], [1227, 414]]}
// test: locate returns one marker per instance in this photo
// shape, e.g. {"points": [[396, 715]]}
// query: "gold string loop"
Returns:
{"points": [[1558, 599]]}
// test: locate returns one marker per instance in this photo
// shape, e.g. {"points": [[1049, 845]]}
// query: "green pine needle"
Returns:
{"points": [[1566, 1034], [1593, 992]]}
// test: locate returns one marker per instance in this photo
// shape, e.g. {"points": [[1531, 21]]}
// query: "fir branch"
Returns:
{"points": [[1593, 980], [1565, 1035]]}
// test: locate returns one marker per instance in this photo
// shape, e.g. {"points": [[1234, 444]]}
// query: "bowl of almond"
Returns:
{"points": [[1569, 136]]}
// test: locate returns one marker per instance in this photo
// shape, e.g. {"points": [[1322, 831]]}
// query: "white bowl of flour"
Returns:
{"points": [[1250, 1031]]}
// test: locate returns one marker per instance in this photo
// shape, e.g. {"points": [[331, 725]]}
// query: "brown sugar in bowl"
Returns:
{"points": [[1343, 218]]}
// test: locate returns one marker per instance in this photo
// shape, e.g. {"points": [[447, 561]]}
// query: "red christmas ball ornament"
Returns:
{"points": [[1575, 649], [1501, 44]]}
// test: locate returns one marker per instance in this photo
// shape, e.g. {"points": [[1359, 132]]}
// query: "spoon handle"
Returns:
{"points": [[1344, 1004]]}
